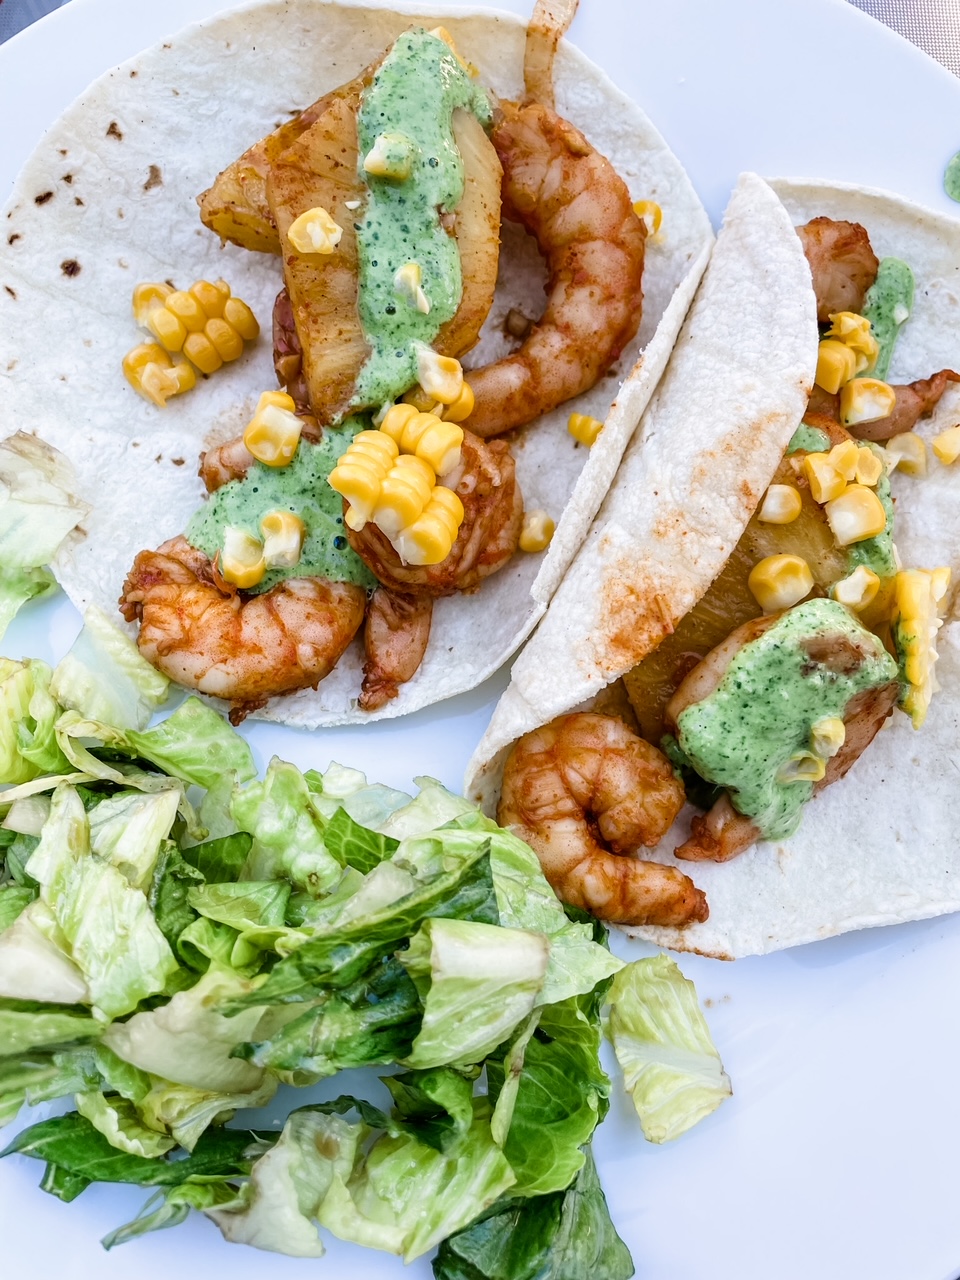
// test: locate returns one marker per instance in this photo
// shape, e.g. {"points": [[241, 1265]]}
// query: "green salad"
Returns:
{"points": [[179, 938]]}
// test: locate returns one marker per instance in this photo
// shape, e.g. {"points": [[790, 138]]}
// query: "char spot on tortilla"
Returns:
{"points": [[14, 238], [43, 197], [113, 131], [70, 267], [132, 74], [154, 178], [178, 462], [12, 292], [63, 151], [67, 178], [77, 200]]}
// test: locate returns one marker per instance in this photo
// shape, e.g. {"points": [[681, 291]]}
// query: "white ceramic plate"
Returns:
{"points": [[837, 1156]]}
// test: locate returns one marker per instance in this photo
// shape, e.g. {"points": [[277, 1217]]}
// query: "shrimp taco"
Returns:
{"points": [[395, 191], [720, 654]]}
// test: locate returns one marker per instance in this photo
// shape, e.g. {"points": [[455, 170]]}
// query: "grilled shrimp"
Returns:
{"points": [[395, 637], [245, 649], [486, 484], [722, 833], [842, 263], [584, 791], [579, 211]]}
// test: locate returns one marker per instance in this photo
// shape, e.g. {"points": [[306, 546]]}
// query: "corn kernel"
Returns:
{"points": [[856, 515], [947, 445], [921, 596], [836, 365], [407, 284], [650, 214], [314, 232], [273, 433], [583, 428], [430, 538], [440, 376], [225, 340], [241, 561], [870, 466], [151, 372], [823, 478], [240, 318], [438, 443], [779, 582], [187, 309], [202, 352], [843, 458], [857, 590], [420, 400], [404, 494], [283, 534], [537, 531], [908, 453], [781, 504], [212, 296], [803, 766], [168, 329], [391, 156], [827, 736], [462, 407], [359, 474], [147, 296], [866, 400], [854, 332]]}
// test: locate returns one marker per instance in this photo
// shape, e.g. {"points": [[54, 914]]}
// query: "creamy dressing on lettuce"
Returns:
{"points": [[765, 706], [414, 93]]}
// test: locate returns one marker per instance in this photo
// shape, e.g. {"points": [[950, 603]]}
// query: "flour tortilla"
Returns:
{"points": [[111, 190], [879, 846]]}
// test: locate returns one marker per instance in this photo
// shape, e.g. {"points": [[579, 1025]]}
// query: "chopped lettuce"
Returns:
{"points": [[287, 833], [37, 511], [670, 1065], [28, 715], [189, 1041], [567, 1235], [104, 676], [107, 925], [561, 1095], [476, 981], [28, 1025]]}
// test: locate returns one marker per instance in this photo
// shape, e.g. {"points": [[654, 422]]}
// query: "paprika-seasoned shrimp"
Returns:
{"points": [[245, 649], [579, 211], [583, 791], [485, 482]]}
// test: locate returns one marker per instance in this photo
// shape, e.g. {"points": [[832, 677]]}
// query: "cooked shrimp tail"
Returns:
{"points": [[244, 649], [579, 211], [395, 637], [586, 793], [719, 835]]}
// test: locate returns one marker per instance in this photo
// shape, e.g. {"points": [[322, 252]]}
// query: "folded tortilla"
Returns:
{"points": [[880, 845], [108, 200]]}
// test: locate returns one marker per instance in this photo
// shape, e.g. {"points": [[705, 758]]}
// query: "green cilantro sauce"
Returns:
{"points": [[808, 439], [301, 488], [762, 712], [887, 306], [415, 92]]}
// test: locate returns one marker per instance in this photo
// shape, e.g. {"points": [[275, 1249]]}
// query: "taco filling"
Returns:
{"points": [[370, 485], [782, 674]]}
